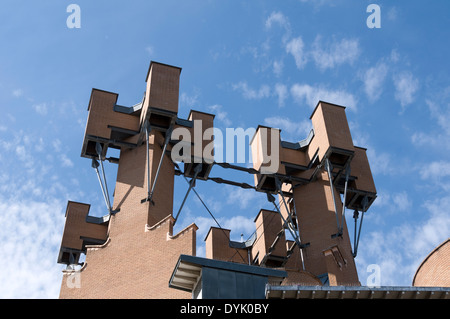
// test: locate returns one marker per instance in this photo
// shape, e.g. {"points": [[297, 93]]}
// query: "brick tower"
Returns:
{"points": [[306, 185], [131, 251]]}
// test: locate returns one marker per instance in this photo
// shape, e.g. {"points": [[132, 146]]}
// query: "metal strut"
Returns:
{"points": [[305, 245], [280, 192], [328, 168], [206, 207], [358, 234], [347, 175], [197, 170], [166, 142], [103, 184], [295, 236], [297, 242], [147, 133]]}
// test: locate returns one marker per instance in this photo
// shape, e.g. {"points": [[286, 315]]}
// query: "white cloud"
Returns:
{"points": [[325, 54], [278, 67], [441, 113], [294, 130], [21, 153], [436, 173], [435, 170], [380, 163], [17, 92], [29, 241], [400, 250], [212, 202], [304, 93], [238, 225], [401, 201], [394, 56], [150, 50], [390, 202], [406, 86], [252, 94], [256, 52], [220, 114], [277, 17], [392, 14], [435, 229], [421, 138], [296, 48], [56, 144], [6, 145], [39, 146], [243, 198], [439, 137], [282, 92], [373, 80], [40, 108], [189, 100], [65, 161], [280, 19], [383, 250], [336, 53]]}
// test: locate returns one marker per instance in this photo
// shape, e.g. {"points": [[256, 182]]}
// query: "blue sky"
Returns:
{"points": [[250, 63]]}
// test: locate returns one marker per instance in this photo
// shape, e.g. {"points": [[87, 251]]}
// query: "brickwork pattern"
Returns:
{"points": [[435, 269], [137, 265], [141, 251]]}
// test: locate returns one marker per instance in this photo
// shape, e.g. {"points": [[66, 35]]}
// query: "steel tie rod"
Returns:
{"points": [[103, 183], [197, 170], [328, 168], [166, 142], [347, 175], [355, 216]]}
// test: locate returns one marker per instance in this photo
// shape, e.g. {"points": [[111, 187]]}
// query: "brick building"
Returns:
{"points": [[132, 252], [434, 269]]}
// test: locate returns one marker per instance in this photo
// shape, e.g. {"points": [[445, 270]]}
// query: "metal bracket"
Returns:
{"points": [[280, 192], [328, 168], [166, 142], [103, 184], [358, 233], [294, 235], [197, 169], [347, 176]]}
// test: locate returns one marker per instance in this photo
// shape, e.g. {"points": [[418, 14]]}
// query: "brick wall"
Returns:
{"points": [[136, 265], [141, 252], [434, 270]]}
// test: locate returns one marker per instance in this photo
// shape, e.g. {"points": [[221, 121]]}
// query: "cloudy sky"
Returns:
{"points": [[250, 63]]}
